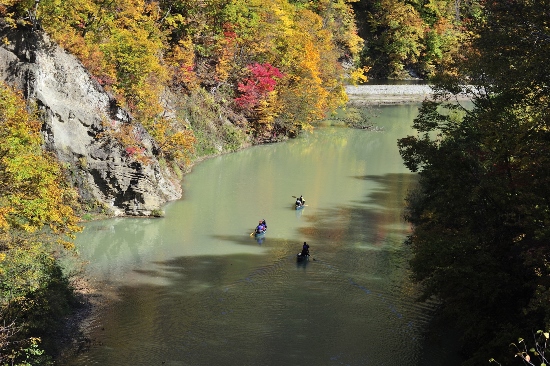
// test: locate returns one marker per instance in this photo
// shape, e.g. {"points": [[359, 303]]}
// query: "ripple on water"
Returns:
{"points": [[225, 300]]}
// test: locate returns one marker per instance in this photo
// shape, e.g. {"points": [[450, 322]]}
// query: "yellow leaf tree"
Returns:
{"points": [[33, 192]]}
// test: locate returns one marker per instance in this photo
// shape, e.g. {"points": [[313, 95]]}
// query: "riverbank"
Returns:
{"points": [[365, 95]]}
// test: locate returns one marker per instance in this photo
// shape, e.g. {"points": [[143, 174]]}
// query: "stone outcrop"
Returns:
{"points": [[78, 117]]}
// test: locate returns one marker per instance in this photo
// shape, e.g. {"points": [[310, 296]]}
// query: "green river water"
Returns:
{"points": [[194, 288]]}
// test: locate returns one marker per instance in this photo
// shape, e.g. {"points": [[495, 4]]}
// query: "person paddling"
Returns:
{"points": [[262, 226], [305, 249]]}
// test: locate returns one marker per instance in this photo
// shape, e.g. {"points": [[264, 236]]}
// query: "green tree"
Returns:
{"points": [[481, 211]]}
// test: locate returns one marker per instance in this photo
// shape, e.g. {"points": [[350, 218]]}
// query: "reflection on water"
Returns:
{"points": [[195, 288]]}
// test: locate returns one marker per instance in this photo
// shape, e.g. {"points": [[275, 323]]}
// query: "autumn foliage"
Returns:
{"points": [[257, 87], [36, 214], [481, 211], [32, 190], [241, 51], [418, 38]]}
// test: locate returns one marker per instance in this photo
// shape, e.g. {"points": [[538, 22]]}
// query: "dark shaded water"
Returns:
{"points": [[194, 288]]}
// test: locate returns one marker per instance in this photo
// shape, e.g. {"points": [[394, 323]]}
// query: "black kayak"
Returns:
{"points": [[302, 258]]}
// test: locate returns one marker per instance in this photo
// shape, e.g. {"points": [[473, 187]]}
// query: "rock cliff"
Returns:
{"points": [[78, 116]]}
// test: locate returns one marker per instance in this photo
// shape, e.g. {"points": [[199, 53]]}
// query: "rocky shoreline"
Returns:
{"points": [[364, 95]]}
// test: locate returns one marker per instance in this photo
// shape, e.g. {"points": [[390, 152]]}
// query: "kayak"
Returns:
{"points": [[259, 233], [302, 258], [298, 207]]}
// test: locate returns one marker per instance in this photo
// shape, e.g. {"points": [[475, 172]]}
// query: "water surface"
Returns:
{"points": [[194, 288]]}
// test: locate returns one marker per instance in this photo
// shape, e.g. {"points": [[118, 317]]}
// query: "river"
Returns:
{"points": [[194, 288]]}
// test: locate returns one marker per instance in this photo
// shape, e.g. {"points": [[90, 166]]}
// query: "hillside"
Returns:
{"points": [[132, 93]]}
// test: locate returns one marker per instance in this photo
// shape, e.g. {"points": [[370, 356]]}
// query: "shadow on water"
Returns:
{"points": [[371, 221], [438, 335], [347, 231], [215, 309], [390, 183]]}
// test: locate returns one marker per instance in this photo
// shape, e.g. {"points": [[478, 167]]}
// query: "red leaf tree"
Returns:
{"points": [[262, 80]]}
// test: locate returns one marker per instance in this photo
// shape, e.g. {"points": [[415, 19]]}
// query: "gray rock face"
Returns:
{"points": [[79, 117]]}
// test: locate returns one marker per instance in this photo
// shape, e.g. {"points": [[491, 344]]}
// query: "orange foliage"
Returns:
{"points": [[136, 48], [176, 142], [181, 62]]}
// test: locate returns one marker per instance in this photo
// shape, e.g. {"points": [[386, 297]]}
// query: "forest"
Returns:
{"points": [[273, 68]]}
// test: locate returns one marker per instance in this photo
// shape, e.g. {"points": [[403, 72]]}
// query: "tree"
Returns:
{"points": [[481, 211], [33, 192], [416, 36], [536, 353], [257, 87], [33, 196]]}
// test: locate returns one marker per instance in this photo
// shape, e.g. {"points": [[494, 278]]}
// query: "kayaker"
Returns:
{"points": [[300, 201], [305, 249]]}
